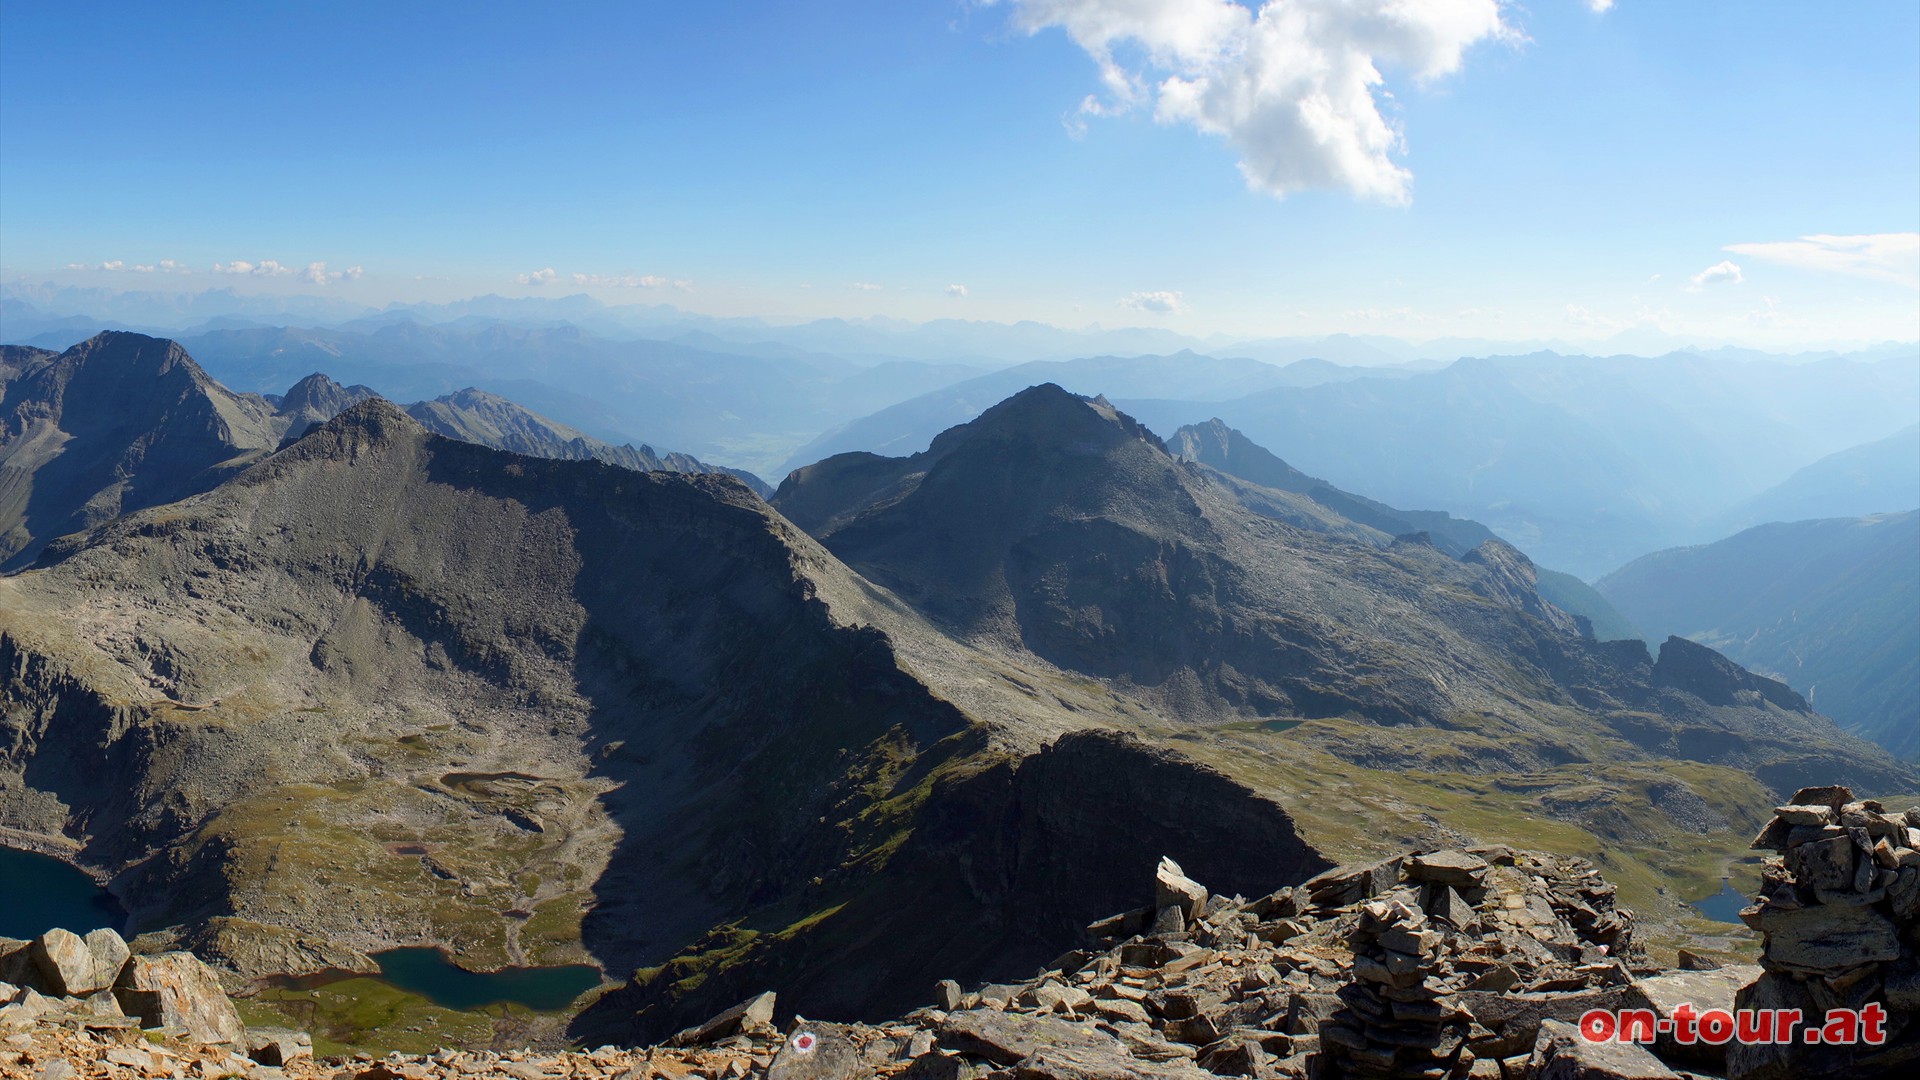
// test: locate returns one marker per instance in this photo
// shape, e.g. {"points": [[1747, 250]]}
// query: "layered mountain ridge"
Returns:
{"points": [[1231, 452], [921, 717], [384, 687], [122, 422], [1057, 527]]}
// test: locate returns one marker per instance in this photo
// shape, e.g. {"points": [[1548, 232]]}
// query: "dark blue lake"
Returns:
{"points": [[38, 893], [427, 972], [430, 974], [1725, 905]]}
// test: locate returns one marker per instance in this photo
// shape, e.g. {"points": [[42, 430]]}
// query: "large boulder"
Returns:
{"points": [[73, 966], [176, 990], [1173, 888], [752, 1014], [1006, 1038], [815, 1051]]}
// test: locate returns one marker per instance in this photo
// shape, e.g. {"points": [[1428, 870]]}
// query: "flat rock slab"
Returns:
{"points": [[1093, 1063], [1712, 989], [1517, 1018], [1718, 988], [1007, 1038], [1456, 868], [1825, 939], [1564, 1054]]}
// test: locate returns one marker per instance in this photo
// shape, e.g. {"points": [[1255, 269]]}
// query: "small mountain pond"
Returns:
{"points": [[38, 893], [1723, 906]]}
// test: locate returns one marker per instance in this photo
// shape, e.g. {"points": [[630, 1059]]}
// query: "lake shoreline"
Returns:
{"points": [[64, 848]]}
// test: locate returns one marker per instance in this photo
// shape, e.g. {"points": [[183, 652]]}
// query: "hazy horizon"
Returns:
{"points": [[1217, 170]]}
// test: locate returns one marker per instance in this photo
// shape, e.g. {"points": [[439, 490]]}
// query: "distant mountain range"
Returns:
{"points": [[909, 426], [744, 410], [122, 422], [28, 310], [376, 687], [1827, 606], [1217, 445], [1584, 463], [1871, 478]]}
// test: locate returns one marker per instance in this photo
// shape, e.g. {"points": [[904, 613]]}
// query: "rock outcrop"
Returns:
{"points": [[96, 983]]}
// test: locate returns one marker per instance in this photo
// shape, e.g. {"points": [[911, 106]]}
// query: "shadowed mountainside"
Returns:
{"points": [[117, 423]]}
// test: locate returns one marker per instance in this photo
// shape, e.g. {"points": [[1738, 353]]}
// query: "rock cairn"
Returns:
{"points": [[1396, 1021], [1839, 915]]}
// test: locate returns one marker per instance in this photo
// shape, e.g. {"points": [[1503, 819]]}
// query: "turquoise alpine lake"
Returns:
{"points": [[1723, 906], [39, 892], [428, 972]]}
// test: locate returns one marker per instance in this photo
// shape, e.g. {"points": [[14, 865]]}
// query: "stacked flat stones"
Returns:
{"points": [[1396, 1020], [1839, 911]]}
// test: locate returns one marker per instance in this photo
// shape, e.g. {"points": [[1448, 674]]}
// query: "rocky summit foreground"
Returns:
{"points": [[1485, 963]]}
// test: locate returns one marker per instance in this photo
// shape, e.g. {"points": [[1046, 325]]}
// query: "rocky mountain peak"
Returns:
{"points": [[1512, 578], [1048, 417], [127, 353], [1711, 677], [1217, 445], [366, 425], [319, 393], [119, 422]]}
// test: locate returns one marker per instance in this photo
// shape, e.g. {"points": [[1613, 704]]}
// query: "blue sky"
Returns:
{"points": [[1568, 173]]}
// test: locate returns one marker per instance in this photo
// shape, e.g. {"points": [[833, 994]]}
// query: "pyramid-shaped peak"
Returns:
{"points": [[122, 351], [321, 395], [373, 422], [1047, 414]]}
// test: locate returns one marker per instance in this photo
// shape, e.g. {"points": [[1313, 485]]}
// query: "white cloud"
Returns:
{"points": [[538, 277], [318, 274], [114, 264], [1294, 88], [958, 292], [1163, 302], [624, 281], [867, 286], [1724, 272], [1600, 7], [264, 268], [1891, 257]]}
